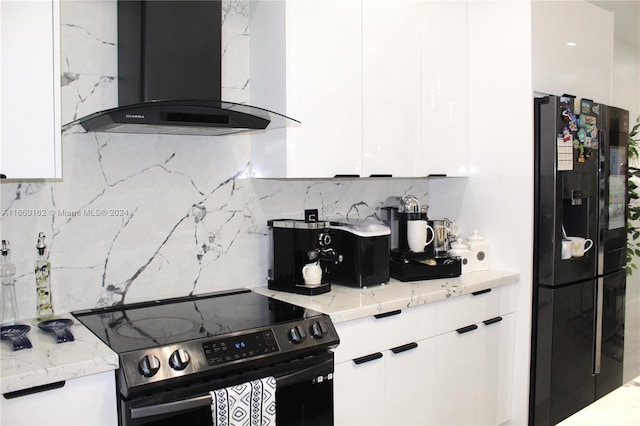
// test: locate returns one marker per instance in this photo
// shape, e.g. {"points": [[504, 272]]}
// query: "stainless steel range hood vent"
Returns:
{"points": [[169, 56]]}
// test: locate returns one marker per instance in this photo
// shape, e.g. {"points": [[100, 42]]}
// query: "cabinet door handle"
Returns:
{"points": [[492, 320], [35, 389], [388, 314], [467, 329], [367, 358], [404, 348], [380, 175], [477, 293], [346, 176]]}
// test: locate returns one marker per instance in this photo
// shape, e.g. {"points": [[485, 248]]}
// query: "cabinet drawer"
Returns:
{"points": [[375, 334], [469, 309]]}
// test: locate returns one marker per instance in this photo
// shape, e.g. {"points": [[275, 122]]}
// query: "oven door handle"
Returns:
{"points": [[296, 376]]}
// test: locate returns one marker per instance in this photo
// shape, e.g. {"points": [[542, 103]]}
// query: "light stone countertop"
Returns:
{"points": [[620, 407], [50, 362], [344, 303]]}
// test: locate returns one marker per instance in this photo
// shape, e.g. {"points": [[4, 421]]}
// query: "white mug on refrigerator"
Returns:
{"points": [[417, 232], [579, 246]]}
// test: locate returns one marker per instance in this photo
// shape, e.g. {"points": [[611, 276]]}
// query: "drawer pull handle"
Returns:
{"points": [[492, 320], [367, 358], [467, 329], [35, 389], [479, 292], [388, 314], [404, 348]]}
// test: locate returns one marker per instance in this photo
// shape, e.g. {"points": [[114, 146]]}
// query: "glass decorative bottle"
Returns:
{"points": [[7, 276], [42, 269]]}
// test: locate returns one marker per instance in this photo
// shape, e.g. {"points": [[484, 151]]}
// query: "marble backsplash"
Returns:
{"points": [[142, 217]]}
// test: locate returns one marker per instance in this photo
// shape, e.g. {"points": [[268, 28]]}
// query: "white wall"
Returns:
{"points": [[497, 198]]}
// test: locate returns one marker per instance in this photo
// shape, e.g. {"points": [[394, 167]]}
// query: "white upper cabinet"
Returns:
{"points": [[572, 49], [391, 75], [306, 64], [380, 86], [415, 88], [30, 89], [445, 88]]}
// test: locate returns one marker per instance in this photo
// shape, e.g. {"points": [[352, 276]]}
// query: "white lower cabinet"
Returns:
{"points": [[89, 400], [448, 373], [359, 392], [473, 374], [409, 390]]}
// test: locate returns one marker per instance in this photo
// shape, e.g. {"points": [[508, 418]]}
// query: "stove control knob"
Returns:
{"points": [[179, 359], [297, 334], [149, 365], [319, 329]]}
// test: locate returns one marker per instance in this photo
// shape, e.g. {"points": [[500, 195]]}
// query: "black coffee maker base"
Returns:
{"points": [[302, 289], [416, 269]]}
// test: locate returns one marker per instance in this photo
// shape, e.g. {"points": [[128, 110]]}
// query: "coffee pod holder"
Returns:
{"points": [[423, 267]]}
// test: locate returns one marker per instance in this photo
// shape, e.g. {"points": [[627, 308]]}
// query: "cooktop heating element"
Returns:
{"points": [[175, 341]]}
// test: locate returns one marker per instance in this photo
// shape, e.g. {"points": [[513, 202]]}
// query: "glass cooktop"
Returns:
{"points": [[132, 327]]}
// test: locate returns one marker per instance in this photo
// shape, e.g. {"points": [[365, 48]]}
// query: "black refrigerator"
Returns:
{"points": [[578, 301]]}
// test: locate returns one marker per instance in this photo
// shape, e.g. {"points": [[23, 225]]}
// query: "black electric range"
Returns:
{"points": [[174, 342]]}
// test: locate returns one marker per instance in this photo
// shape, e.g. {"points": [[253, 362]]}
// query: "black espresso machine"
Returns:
{"points": [[301, 258]]}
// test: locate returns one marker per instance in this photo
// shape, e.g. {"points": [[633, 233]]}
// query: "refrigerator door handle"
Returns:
{"points": [[598, 325], [603, 212]]}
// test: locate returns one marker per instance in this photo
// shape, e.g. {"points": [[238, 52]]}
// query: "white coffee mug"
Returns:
{"points": [[566, 250], [312, 273], [579, 246], [417, 232]]}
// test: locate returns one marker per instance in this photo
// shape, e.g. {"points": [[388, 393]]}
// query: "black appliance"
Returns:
{"points": [[364, 247], [174, 352], [405, 265], [169, 75], [293, 244], [578, 302]]}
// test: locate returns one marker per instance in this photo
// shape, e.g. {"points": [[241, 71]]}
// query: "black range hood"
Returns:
{"points": [[169, 77]]}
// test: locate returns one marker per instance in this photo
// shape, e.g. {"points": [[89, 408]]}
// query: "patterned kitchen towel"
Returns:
{"points": [[247, 404]]}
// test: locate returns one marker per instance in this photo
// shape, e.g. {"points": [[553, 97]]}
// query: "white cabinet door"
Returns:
{"points": [[474, 373], [409, 384], [391, 72], [306, 63], [495, 375], [359, 392], [444, 88], [30, 89], [578, 61], [455, 377], [89, 400], [415, 88]]}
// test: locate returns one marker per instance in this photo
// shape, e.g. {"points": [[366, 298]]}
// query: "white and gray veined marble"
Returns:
{"points": [[344, 303], [142, 217], [49, 362]]}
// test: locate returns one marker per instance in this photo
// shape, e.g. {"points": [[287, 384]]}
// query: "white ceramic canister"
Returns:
{"points": [[479, 252], [461, 250]]}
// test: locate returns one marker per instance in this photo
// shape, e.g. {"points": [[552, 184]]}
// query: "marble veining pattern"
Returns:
{"points": [[143, 217], [344, 303], [50, 362]]}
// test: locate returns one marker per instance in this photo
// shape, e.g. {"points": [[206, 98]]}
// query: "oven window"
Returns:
{"points": [[304, 404]]}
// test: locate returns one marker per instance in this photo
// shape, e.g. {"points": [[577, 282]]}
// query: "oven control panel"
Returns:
{"points": [[224, 353], [240, 347]]}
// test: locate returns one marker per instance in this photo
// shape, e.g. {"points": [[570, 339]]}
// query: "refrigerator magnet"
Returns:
{"points": [[585, 106]]}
